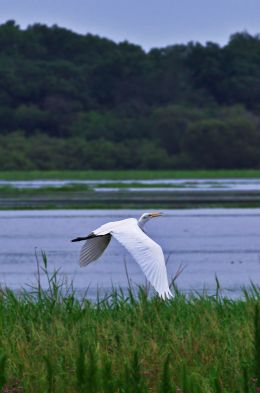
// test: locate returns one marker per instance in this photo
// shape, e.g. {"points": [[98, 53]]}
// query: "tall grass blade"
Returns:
{"points": [[50, 375], [107, 377], [92, 380], [3, 359], [81, 368], [165, 383], [136, 376], [246, 381], [257, 343], [218, 388]]}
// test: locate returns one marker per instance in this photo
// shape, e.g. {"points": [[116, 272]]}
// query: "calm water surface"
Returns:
{"points": [[209, 242], [178, 184]]}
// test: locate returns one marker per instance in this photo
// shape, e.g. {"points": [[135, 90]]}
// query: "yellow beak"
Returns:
{"points": [[156, 214]]}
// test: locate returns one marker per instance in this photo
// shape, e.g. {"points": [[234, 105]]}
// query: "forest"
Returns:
{"points": [[71, 101]]}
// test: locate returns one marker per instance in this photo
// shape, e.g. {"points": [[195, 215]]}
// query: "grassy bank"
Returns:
{"points": [[73, 188], [70, 188], [135, 175], [51, 342], [123, 199]]}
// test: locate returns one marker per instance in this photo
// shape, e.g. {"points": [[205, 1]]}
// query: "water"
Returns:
{"points": [[208, 242], [177, 184]]}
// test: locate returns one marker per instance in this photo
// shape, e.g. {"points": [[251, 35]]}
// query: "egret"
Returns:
{"points": [[129, 232]]}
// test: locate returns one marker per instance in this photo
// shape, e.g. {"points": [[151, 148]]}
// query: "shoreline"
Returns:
{"points": [[125, 199], [131, 174]]}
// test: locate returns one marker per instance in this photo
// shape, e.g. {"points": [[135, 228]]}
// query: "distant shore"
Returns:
{"points": [[117, 194], [124, 199], [131, 174]]}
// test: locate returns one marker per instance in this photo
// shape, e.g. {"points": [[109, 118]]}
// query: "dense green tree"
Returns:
{"points": [[170, 123], [80, 101], [214, 143]]}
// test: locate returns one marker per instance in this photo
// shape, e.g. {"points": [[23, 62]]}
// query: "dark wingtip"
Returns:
{"points": [[78, 239]]}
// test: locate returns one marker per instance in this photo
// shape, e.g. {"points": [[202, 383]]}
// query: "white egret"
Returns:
{"points": [[130, 234]]}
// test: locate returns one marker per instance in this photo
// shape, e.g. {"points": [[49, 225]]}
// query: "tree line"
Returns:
{"points": [[71, 101]]}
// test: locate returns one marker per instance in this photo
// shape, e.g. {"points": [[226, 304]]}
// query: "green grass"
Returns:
{"points": [[140, 185], [52, 342], [81, 196], [130, 174], [9, 190]]}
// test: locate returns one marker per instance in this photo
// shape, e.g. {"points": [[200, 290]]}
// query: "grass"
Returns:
{"points": [[81, 196], [9, 190], [50, 341], [142, 185], [130, 174]]}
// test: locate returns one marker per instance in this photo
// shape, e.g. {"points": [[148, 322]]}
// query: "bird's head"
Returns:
{"points": [[147, 216]]}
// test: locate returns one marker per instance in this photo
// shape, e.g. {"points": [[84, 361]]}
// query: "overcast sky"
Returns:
{"points": [[149, 23]]}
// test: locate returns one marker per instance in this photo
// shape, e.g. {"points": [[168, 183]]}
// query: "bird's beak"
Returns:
{"points": [[156, 214]]}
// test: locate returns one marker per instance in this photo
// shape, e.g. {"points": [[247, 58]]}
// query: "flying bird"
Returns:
{"points": [[129, 232]]}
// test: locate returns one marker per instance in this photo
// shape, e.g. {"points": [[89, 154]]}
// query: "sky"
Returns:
{"points": [[149, 23]]}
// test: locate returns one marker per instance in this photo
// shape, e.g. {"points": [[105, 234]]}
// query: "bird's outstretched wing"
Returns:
{"points": [[93, 248], [147, 253]]}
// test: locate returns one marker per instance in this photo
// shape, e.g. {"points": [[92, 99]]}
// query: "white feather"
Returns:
{"points": [[147, 253], [93, 248]]}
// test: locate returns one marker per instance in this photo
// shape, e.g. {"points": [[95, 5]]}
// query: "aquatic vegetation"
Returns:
{"points": [[130, 174], [52, 341], [10, 190]]}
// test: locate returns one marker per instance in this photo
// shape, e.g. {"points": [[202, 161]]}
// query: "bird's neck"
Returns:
{"points": [[141, 222]]}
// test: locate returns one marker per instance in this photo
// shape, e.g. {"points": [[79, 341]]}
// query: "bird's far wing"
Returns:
{"points": [[93, 248], [147, 253]]}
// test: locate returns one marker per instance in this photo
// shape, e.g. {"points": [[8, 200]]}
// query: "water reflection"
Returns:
{"points": [[165, 184]]}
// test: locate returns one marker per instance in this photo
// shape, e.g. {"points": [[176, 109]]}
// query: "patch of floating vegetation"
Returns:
{"points": [[9, 189]]}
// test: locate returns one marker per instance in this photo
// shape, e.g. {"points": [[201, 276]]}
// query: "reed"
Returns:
{"points": [[52, 341]]}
